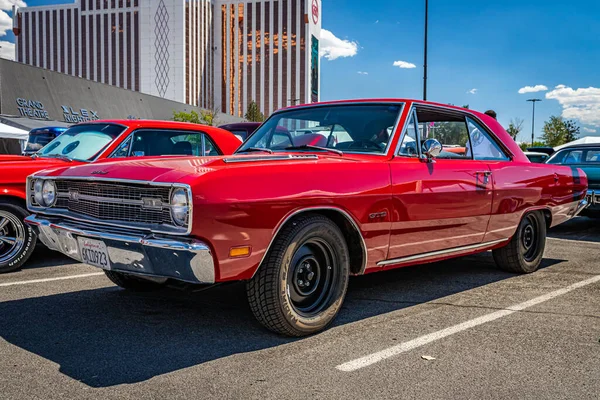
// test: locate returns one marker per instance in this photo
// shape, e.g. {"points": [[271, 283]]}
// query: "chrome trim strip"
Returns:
{"points": [[75, 217], [299, 157], [317, 208], [202, 266], [439, 252], [67, 195]]}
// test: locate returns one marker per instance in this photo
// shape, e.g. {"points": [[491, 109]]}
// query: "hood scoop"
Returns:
{"points": [[271, 158]]}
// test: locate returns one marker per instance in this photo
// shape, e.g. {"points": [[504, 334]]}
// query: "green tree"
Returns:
{"points": [[557, 131], [206, 117], [515, 127], [182, 116], [572, 131], [253, 113]]}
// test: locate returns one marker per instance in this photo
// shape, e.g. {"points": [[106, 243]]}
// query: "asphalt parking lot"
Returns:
{"points": [[67, 332]]}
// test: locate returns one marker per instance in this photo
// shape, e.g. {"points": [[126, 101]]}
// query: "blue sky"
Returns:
{"points": [[495, 47]]}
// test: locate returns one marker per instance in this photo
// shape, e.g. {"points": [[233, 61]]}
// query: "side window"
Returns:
{"points": [[484, 147], [189, 144], [447, 127], [409, 148], [123, 149], [209, 147]]}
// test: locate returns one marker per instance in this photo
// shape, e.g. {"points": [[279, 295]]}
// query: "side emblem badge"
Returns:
{"points": [[99, 172]]}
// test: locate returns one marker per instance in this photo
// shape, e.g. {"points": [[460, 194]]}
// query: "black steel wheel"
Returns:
{"points": [[17, 240], [301, 285], [524, 252]]}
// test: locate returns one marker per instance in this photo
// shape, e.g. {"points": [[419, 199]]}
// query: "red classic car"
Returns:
{"points": [[82, 144], [316, 194]]}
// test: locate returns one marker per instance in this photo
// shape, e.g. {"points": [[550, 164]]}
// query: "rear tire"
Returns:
{"points": [[17, 240], [524, 253], [132, 283], [300, 287]]}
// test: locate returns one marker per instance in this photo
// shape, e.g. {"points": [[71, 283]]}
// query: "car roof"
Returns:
{"points": [[580, 146]]}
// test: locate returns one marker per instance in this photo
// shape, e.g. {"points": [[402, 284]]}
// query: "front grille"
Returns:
{"points": [[142, 206]]}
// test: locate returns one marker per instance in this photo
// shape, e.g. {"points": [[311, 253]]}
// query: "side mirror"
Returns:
{"points": [[432, 148]]}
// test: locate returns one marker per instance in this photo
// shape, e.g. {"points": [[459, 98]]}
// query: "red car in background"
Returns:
{"points": [[90, 142], [318, 193]]}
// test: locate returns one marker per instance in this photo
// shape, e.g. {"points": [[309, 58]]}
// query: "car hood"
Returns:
{"points": [[176, 169], [10, 157]]}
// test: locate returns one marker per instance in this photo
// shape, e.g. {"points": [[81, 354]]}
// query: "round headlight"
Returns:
{"points": [[49, 193], [38, 186], [180, 206]]}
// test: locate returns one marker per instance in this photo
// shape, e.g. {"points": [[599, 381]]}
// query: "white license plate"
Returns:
{"points": [[93, 252]]}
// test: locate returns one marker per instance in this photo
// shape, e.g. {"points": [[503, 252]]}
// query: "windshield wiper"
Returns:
{"points": [[311, 147], [59, 156], [249, 149]]}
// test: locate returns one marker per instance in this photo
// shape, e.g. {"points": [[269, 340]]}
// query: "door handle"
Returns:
{"points": [[486, 176]]}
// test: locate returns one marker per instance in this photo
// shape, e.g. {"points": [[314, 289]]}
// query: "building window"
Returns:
{"points": [[77, 39], [69, 58]]}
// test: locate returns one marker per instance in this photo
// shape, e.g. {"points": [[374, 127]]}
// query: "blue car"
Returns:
{"points": [[39, 137]]}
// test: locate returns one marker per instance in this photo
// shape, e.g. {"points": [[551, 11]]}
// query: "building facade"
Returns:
{"points": [[208, 53]]}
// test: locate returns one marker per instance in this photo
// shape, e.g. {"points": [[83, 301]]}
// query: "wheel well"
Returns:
{"points": [[354, 240], [547, 218], [17, 201]]}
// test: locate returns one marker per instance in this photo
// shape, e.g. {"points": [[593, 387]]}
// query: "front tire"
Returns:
{"points": [[17, 240], [132, 283], [524, 253], [301, 285]]}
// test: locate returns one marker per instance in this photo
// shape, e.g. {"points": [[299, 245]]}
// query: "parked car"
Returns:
{"points": [[241, 129], [39, 137], [536, 157], [295, 220], [542, 149], [587, 158], [85, 143]]}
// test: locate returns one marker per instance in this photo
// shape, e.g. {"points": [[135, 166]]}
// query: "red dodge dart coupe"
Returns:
{"points": [[82, 144], [316, 194]]}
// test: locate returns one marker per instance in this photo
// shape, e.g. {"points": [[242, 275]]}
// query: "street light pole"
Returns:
{"points": [[425, 51], [533, 101]]}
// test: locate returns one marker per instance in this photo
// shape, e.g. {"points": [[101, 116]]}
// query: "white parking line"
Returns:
{"points": [[432, 337], [573, 240], [60, 278]]}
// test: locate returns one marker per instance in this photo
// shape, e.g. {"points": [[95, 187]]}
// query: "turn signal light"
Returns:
{"points": [[242, 251]]}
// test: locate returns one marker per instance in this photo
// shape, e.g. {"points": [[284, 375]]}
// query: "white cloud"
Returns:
{"points": [[532, 89], [7, 50], [582, 104], [404, 64], [5, 23], [377, 21], [7, 4], [589, 130], [472, 91], [333, 47], [362, 73]]}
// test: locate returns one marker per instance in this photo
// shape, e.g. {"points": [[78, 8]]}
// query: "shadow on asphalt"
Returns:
{"points": [[43, 257], [109, 336], [580, 228]]}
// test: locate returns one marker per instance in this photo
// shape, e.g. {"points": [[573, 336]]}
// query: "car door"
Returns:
{"points": [[439, 204]]}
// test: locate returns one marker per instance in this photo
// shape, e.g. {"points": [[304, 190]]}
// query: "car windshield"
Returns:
{"points": [[589, 155], [82, 142], [352, 128], [38, 140]]}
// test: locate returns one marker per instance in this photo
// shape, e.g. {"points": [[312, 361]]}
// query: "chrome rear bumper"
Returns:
{"points": [[183, 259], [593, 198]]}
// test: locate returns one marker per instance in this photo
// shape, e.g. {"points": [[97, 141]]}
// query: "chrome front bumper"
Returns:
{"points": [[142, 254]]}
